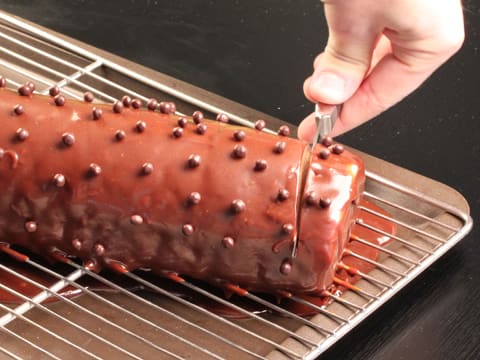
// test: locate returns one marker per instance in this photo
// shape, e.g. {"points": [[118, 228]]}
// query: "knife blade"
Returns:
{"points": [[325, 118]]}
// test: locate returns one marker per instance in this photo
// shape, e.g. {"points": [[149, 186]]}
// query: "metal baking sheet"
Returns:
{"points": [[137, 316]]}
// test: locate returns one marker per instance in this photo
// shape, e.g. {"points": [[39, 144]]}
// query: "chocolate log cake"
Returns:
{"points": [[145, 188]]}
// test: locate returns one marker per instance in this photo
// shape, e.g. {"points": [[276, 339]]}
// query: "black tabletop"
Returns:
{"points": [[258, 53]]}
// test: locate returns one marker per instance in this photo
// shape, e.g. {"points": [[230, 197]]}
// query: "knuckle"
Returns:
{"points": [[352, 58]]}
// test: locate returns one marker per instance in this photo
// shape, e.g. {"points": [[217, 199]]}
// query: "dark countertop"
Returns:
{"points": [[258, 53]]}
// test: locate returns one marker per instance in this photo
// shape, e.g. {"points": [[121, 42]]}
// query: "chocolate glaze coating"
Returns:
{"points": [[146, 222]]}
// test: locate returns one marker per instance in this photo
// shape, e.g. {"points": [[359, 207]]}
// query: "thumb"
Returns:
{"points": [[340, 69]]}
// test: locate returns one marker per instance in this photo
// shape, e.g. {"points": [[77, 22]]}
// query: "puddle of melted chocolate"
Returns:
{"points": [[349, 275]]}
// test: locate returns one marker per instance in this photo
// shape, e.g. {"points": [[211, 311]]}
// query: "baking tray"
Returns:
{"points": [[137, 316]]}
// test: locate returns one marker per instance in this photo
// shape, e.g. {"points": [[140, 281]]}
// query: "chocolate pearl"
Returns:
{"points": [[260, 165], [287, 228], [239, 151], [283, 194], [194, 160], [201, 128], [99, 249], [3, 82], [238, 206], [92, 265], [120, 135], [260, 125], [54, 91], [228, 242], [165, 107], [25, 90], [59, 100], [324, 154], [140, 126], [338, 149], [239, 135], [59, 180], [187, 229], [88, 97], [136, 103], [197, 117], [117, 107], [324, 203], [286, 267], [182, 122], [173, 107], [327, 141], [147, 168], [18, 109], [31, 85], [96, 113], [223, 118], [77, 244], [31, 226], [2, 152], [177, 132], [284, 130], [126, 101], [280, 147], [194, 198], [311, 198], [94, 169], [68, 139], [152, 104], [22, 134], [136, 219]]}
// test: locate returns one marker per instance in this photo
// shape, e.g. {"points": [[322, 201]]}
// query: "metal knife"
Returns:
{"points": [[325, 118]]}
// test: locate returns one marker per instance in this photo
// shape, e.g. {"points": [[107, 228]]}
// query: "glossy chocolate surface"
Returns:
{"points": [[106, 211]]}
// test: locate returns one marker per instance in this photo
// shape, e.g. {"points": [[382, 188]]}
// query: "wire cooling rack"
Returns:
{"points": [[67, 311]]}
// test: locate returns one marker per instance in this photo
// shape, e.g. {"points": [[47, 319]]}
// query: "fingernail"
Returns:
{"points": [[329, 87]]}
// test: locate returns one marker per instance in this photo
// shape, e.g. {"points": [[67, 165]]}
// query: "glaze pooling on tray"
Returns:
{"points": [[118, 188]]}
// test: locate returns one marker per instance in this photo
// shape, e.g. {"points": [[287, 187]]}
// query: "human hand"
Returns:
{"points": [[378, 52]]}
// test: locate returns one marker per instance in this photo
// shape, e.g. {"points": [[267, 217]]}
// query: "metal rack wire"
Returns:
{"points": [[78, 313]]}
